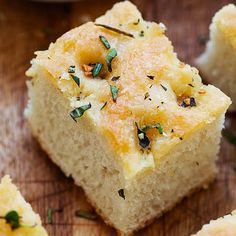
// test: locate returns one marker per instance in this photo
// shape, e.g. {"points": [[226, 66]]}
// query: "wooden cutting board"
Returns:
{"points": [[28, 26]]}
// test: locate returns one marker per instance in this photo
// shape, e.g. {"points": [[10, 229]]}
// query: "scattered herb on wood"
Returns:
{"points": [[79, 111], [121, 193], [50, 213], [86, 215], [115, 30], [142, 137], [103, 105], [104, 41], [112, 53], [114, 92], [229, 136]]}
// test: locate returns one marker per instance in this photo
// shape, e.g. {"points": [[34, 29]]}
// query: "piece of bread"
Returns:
{"points": [[217, 63], [224, 226], [136, 153], [11, 200]]}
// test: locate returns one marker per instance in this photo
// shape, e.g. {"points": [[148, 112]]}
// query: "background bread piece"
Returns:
{"points": [[224, 226], [11, 199], [217, 63], [88, 150]]}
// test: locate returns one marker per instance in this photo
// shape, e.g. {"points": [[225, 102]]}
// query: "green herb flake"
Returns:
{"points": [[86, 215], [104, 41], [76, 79], [229, 136], [154, 126], [13, 219], [141, 33], [142, 137], [164, 87], [112, 53], [71, 69], [191, 85], [118, 31], [79, 111], [137, 22], [146, 95], [151, 77], [121, 193], [50, 215], [97, 69], [114, 92], [103, 105]]}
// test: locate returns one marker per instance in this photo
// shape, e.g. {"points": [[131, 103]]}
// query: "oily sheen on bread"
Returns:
{"points": [[12, 203], [113, 106], [217, 63]]}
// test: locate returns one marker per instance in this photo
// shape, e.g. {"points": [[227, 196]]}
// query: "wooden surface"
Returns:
{"points": [[28, 26]]}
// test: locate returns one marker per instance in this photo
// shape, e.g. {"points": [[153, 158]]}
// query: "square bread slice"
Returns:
{"points": [[12, 201], [217, 63], [224, 226], [114, 108]]}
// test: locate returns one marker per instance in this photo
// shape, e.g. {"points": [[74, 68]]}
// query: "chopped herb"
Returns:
{"points": [[96, 69], [151, 86], [181, 138], [104, 41], [79, 111], [157, 126], [114, 92], [76, 79], [149, 99], [143, 139], [115, 78], [103, 105], [112, 53], [146, 95], [13, 219], [141, 33], [115, 30], [162, 102], [71, 69], [121, 193], [229, 136], [172, 131], [137, 22], [50, 212], [151, 77], [164, 87], [191, 85], [86, 215]]}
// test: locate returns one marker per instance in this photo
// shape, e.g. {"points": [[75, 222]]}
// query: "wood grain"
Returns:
{"points": [[28, 26]]}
